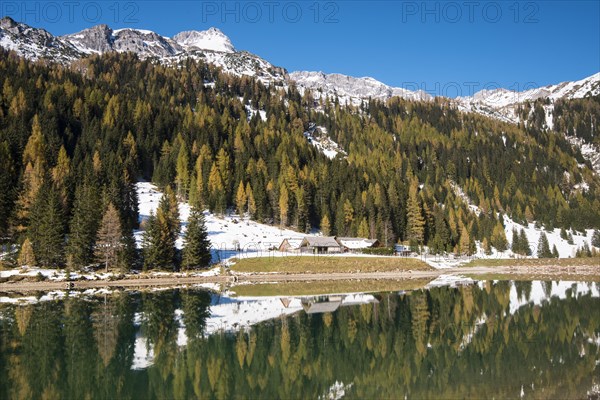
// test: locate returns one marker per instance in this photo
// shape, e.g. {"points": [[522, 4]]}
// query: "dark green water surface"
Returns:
{"points": [[486, 340]]}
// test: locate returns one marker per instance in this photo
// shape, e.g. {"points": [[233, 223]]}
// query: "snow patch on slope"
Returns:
{"points": [[228, 234], [319, 138], [589, 151], [565, 250]]}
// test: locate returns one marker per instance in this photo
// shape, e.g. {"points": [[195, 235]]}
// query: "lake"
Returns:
{"points": [[481, 340]]}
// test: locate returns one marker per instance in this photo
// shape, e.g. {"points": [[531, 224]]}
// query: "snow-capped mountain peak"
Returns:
{"points": [[211, 46], [102, 39], [499, 98], [211, 39], [350, 89], [34, 43]]}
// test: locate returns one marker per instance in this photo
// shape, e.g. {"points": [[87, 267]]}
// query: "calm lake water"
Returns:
{"points": [[485, 340]]}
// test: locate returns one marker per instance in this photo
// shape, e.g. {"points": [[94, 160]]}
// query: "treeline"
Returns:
{"points": [[81, 137]]}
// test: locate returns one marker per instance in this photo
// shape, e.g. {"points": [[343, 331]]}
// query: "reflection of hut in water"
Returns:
{"points": [[322, 304], [330, 303]]}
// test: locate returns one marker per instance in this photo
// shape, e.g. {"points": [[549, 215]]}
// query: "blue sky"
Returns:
{"points": [[444, 47]]}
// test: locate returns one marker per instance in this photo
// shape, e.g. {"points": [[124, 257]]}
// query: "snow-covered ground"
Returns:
{"points": [[589, 151], [226, 233], [256, 239], [324, 143], [54, 274], [565, 250]]}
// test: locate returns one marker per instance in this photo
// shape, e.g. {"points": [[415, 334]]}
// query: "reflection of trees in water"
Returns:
{"points": [[446, 342]]}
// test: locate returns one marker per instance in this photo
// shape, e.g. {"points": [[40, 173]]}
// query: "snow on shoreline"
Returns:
{"points": [[227, 234]]}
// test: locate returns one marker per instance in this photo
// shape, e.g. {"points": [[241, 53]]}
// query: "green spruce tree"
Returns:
{"points": [[161, 234], [110, 237], [47, 231], [544, 247], [196, 251], [84, 225]]}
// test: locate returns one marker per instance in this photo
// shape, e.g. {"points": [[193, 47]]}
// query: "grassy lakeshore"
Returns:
{"points": [[328, 287], [541, 276], [536, 262], [325, 264]]}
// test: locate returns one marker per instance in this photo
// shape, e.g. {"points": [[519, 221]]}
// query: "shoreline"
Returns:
{"points": [[584, 273]]}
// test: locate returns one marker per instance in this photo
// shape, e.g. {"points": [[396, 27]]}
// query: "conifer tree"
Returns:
{"points": [[6, 188], [216, 190], [34, 162], [84, 225], [524, 243], [170, 208], [196, 250], [498, 239], [241, 199], [544, 247], [283, 205], [151, 244], [528, 214], [348, 216], [487, 249], [161, 233], [47, 232], [60, 173], [251, 201], [26, 255], [516, 244], [415, 224], [555, 252], [109, 242], [182, 177], [363, 229], [465, 241], [194, 196], [223, 164], [301, 211], [325, 225]]}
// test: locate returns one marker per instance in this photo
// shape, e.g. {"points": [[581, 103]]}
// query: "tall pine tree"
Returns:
{"points": [[84, 225], [161, 233], [196, 250], [109, 242], [47, 230]]}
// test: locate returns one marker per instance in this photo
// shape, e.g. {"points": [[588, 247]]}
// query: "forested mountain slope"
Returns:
{"points": [[74, 139]]}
